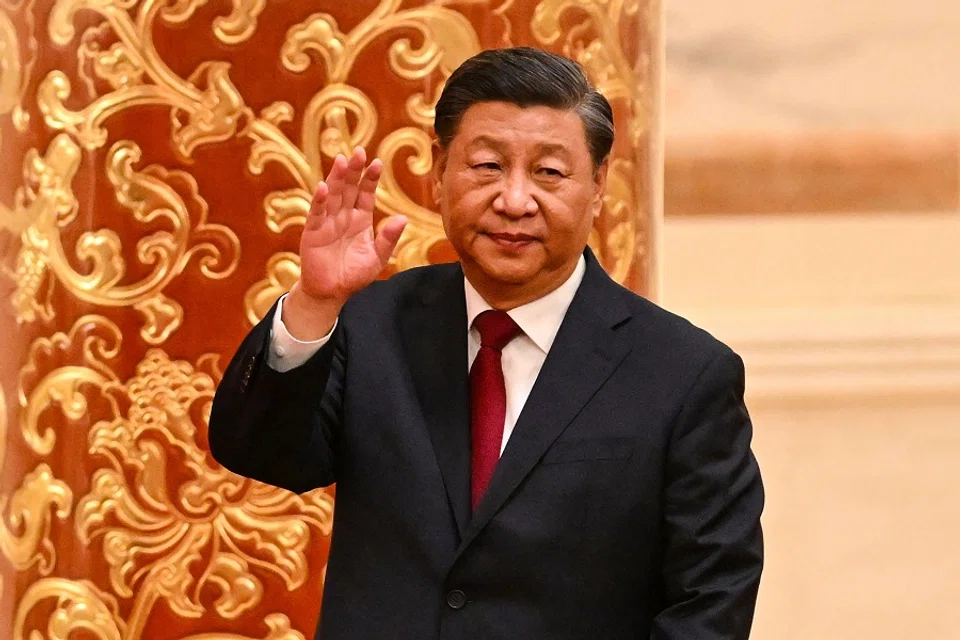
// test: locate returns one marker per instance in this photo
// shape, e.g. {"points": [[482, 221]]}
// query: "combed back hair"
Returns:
{"points": [[525, 77]]}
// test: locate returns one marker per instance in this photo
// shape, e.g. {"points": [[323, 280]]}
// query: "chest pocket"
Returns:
{"points": [[589, 449]]}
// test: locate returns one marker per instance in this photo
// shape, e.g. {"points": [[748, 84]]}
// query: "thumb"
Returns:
{"points": [[386, 241]]}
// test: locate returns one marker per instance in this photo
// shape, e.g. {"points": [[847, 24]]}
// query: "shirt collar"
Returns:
{"points": [[540, 320]]}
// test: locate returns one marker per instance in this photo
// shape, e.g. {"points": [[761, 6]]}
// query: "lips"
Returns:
{"points": [[512, 237]]}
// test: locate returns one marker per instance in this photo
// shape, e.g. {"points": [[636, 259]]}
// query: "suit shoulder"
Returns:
{"points": [[673, 334]]}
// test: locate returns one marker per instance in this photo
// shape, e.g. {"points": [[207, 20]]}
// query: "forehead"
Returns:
{"points": [[511, 126]]}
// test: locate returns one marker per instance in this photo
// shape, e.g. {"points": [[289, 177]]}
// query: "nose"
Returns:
{"points": [[516, 198]]}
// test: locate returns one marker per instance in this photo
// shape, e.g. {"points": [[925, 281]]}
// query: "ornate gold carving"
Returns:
{"points": [[29, 513], [620, 200], [283, 270], [213, 529], [101, 340], [80, 606], [150, 194], [425, 229], [14, 74], [448, 40]]}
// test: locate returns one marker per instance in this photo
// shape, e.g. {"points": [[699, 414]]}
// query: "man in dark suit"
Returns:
{"points": [[522, 448]]}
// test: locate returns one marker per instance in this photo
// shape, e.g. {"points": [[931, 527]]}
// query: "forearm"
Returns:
{"points": [[278, 428]]}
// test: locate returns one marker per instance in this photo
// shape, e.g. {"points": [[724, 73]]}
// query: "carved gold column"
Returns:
{"points": [[158, 158]]}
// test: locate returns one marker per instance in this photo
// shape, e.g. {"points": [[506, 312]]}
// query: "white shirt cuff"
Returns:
{"points": [[286, 352]]}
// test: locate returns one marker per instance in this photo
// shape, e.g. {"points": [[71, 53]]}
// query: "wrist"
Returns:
{"points": [[308, 318]]}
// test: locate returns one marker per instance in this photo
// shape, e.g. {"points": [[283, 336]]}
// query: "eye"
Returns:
{"points": [[487, 166], [551, 172]]}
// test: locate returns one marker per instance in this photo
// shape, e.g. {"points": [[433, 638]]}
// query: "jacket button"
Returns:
{"points": [[456, 599]]}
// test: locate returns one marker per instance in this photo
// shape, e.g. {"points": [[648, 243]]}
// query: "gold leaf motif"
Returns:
{"points": [[62, 386], [331, 106], [318, 33], [286, 208], [448, 40], [87, 125], [118, 67], [42, 202], [215, 117], [81, 606], [179, 11], [211, 530], [426, 228], [28, 542], [278, 624], [60, 25], [163, 317], [149, 194], [283, 270], [241, 23], [277, 113]]}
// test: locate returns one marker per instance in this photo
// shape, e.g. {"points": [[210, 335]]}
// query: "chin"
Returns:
{"points": [[508, 271]]}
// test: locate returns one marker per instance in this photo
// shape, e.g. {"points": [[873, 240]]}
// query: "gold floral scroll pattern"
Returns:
{"points": [[14, 72], [81, 606], [166, 533], [46, 204]]}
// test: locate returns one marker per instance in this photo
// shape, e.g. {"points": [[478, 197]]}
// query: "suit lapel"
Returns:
{"points": [[585, 353], [435, 337]]}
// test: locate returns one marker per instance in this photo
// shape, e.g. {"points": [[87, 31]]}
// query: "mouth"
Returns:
{"points": [[512, 240]]}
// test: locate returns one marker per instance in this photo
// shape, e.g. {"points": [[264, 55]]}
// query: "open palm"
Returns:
{"points": [[339, 252]]}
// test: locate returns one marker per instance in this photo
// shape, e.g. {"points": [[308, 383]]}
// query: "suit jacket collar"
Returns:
{"points": [[586, 351]]}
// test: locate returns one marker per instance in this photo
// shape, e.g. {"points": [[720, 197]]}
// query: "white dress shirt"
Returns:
{"points": [[522, 359]]}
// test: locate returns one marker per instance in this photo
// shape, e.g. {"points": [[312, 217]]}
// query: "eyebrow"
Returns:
{"points": [[545, 148]]}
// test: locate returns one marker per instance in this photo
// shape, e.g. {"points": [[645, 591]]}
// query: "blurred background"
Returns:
{"points": [[811, 221], [786, 175]]}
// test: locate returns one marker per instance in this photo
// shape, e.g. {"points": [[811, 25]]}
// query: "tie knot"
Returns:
{"points": [[496, 329]]}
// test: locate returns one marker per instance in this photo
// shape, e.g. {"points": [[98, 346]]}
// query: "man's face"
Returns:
{"points": [[518, 195]]}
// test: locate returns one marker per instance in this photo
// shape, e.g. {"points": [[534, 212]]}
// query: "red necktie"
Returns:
{"points": [[488, 398]]}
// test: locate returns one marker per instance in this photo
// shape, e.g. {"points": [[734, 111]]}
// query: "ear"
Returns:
{"points": [[600, 187], [436, 173]]}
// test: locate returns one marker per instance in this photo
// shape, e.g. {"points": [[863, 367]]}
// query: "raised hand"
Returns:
{"points": [[339, 252]]}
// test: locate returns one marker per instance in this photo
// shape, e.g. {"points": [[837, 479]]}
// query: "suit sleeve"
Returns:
{"points": [[713, 553], [280, 428]]}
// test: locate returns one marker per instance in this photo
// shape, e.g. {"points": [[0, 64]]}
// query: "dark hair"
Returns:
{"points": [[525, 77]]}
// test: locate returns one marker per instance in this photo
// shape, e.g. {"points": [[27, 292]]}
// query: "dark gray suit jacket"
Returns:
{"points": [[626, 504]]}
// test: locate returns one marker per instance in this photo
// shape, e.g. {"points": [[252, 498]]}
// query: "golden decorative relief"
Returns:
{"points": [[425, 228], [213, 529], [283, 270], [151, 196], [161, 538], [448, 39], [27, 542], [163, 317], [14, 74], [101, 340], [80, 606], [621, 205]]}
